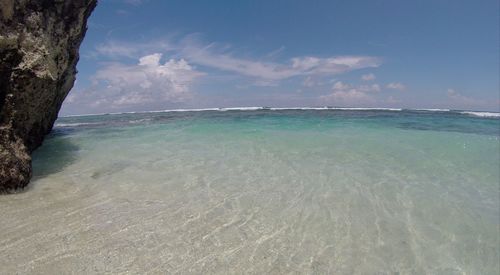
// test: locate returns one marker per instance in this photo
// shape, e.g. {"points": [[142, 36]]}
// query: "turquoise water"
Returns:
{"points": [[261, 191]]}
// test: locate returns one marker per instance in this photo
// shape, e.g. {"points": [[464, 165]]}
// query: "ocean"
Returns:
{"points": [[261, 191]]}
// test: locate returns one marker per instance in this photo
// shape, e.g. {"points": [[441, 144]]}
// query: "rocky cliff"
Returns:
{"points": [[39, 42]]}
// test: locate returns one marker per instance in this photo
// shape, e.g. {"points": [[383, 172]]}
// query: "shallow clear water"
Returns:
{"points": [[290, 191]]}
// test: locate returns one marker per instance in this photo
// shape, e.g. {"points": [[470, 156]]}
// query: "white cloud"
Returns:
{"points": [[393, 100], [368, 77], [150, 84], [308, 82], [298, 66], [346, 94], [458, 99], [218, 57], [332, 65], [369, 88], [149, 81], [350, 97], [118, 49], [396, 86], [316, 81], [339, 85]]}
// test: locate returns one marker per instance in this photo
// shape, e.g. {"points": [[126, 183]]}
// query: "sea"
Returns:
{"points": [[260, 191]]}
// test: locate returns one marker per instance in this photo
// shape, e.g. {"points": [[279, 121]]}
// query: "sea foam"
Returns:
{"points": [[256, 108], [481, 114]]}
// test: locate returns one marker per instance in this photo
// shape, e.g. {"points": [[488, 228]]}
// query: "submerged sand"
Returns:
{"points": [[256, 196]]}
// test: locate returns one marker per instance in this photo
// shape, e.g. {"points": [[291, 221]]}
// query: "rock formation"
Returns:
{"points": [[39, 42]]}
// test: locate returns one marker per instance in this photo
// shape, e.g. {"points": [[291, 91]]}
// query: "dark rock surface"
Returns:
{"points": [[39, 42]]}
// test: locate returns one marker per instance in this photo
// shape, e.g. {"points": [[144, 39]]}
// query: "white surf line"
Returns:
{"points": [[234, 109], [481, 114], [223, 109]]}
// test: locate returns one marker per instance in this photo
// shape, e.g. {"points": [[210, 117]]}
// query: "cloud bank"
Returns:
{"points": [[351, 95], [219, 57], [119, 85], [368, 77]]}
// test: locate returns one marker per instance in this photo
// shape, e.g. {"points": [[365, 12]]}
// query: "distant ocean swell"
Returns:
{"points": [[483, 114]]}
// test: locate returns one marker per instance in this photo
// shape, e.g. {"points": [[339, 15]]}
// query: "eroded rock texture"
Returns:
{"points": [[39, 42]]}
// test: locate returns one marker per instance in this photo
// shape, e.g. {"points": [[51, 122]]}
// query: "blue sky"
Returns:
{"points": [[142, 55]]}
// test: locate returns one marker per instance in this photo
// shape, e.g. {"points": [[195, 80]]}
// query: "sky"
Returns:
{"points": [[144, 55]]}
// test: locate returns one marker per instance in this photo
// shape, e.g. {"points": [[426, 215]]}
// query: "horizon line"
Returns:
{"points": [[257, 108]]}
